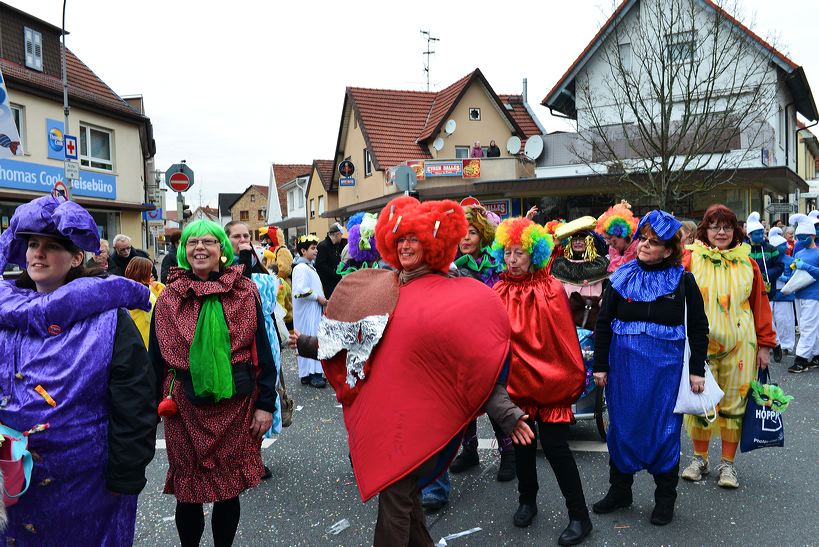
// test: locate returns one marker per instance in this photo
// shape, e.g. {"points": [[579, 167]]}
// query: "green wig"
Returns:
{"points": [[199, 228]]}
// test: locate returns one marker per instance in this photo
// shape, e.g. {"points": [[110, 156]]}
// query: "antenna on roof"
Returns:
{"points": [[428, 52]]}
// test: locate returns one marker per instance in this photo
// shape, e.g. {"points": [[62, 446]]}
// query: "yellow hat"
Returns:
{"points": [[582, 224]]}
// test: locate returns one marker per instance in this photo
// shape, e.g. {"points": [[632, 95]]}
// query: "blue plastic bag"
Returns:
{"points": [[762, 427]]}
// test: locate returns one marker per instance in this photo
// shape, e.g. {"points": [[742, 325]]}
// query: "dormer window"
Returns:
{"points": [[34, 49]]}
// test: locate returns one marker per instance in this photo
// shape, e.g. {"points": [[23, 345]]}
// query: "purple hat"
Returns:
{"points": [[51, 217]]}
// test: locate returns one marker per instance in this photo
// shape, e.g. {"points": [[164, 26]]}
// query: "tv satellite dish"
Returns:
{"points": [[534, 147], [513, 145], [438, 144], [405, 178], [450, 126]]}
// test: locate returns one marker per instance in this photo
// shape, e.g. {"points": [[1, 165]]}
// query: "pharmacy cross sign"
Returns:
{"points": [[70, 147]]}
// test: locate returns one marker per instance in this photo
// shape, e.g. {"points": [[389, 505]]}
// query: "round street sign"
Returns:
{"points": [[346, 168], [179, 182]]}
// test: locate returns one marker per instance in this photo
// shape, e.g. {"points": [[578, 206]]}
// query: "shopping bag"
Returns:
{"points": [[762, 425], [16, 463], [699, 404], [799, 280]]}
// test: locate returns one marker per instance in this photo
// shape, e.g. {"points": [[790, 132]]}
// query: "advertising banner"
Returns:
{"points": [[418, 165], [54, 139], [443, 168], [472, 168], [9, 137]]}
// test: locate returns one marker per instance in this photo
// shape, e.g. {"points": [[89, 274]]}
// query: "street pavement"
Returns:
{"points": [[313, 488]]}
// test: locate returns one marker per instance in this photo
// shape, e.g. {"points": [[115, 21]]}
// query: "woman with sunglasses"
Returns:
{"points": [[639, 348]]}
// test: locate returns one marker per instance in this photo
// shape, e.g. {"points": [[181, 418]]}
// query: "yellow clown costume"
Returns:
{"points": [[740, 322]]}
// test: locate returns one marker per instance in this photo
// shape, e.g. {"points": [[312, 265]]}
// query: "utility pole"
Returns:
{"points": [[66, 130], [428, 52]]}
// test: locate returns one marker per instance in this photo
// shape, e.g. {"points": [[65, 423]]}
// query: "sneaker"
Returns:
{"points": [[727, 475], [814, 363], [305, 380], [800, 364], [696, 469], [777, 354], [317, 380]]}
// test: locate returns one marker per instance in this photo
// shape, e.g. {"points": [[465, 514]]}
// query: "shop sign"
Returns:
{"points": [[501, 207], [472, 168], [54, 139], [418, 165], [20, 175], [346, 181], [443, 168]]}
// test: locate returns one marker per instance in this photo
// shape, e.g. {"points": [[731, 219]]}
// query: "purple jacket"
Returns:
{"points": [[88, 356]]}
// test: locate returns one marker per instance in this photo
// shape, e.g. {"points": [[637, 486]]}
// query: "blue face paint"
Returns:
{"points": [[803, 238], [757, 236]]}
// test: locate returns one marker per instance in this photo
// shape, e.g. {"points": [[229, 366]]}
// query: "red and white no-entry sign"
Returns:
{"points": [[179, 182]]}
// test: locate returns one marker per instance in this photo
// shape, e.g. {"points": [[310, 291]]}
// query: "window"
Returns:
{"points": [[252, 197], [95, 148], [321, 205], [244, 215], [312, 208], [262, 214], [624, 51], [33, 48], [474, 114], [680, 47], [301, 197], [291, 200], [461, 152], [368, 163], [19, 114], [781, 131]]}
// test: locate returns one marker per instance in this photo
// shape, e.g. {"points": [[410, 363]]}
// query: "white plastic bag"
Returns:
{"points": [[799, 280], [699, 404]]}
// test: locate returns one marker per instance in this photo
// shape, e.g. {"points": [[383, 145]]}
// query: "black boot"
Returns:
{"points": [[524, 515], [506, 471], [619, 494], [463, 461], [575, 532], [664, 496], [777, 354]]}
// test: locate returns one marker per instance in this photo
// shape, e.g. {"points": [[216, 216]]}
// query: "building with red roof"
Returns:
{"points": [[115, 142]]}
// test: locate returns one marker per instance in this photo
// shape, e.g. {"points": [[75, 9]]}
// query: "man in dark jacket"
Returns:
{"points": [[172, 236], [329, 255], [122, 255]]}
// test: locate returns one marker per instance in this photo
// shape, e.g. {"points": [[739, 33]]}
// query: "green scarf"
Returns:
{"points": [[469, 261], [209, 355]]}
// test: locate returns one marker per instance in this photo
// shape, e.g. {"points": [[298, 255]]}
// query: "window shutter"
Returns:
{"points": [[34, 49]]}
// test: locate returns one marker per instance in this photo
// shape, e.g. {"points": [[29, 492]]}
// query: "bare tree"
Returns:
{"points": [[679, 102]]}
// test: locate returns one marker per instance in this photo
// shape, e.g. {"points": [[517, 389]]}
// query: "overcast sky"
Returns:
{"points": [[234, 86]]}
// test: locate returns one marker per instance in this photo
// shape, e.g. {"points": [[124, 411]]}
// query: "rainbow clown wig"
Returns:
{"points": [[618, 221], [199, 228], [532, 237], [438, 225]]}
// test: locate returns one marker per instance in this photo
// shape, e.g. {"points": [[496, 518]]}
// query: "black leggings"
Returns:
{"points": [[554, 439], [190, 522]]}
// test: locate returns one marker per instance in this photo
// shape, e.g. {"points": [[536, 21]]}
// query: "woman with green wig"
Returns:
{"points": [[209, 344]]}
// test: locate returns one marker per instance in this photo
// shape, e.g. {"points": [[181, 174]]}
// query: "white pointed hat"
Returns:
{"points": [[752, 224], [806, 226], [775, 237]]}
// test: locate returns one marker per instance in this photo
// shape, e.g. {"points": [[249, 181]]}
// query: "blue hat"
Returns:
{"points": [[663, 224], [51, 217]]}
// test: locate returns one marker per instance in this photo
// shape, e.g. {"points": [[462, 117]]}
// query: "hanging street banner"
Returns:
{"points": [[9, 136]]}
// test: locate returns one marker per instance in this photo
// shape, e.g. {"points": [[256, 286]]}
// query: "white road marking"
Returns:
{"points": [[575, 446], [266, 443]]}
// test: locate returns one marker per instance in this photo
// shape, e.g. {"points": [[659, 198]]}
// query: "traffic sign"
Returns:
{"points": [[70, 147], [780, 208], [179, 182], [72, 169], [469, 201], [179, 177]]}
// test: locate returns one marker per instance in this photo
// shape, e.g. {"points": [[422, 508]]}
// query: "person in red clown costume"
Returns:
{"points": [[547, 373], [409, 372]]}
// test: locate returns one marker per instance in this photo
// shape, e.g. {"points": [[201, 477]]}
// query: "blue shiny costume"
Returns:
{"points": [[645, 360]]}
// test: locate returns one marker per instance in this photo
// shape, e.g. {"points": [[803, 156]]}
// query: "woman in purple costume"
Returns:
{"points": [[72, 358]]}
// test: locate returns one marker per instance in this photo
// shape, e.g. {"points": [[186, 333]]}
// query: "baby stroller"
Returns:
{"points": [[592, 402]]}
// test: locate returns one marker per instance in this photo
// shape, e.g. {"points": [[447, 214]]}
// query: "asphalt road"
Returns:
{"points": [[313, 487]]}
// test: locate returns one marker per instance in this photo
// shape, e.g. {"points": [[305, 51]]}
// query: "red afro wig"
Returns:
{"points": [[438, 225]]}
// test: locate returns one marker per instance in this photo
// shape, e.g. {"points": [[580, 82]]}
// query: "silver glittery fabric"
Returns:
{"points": [[358, 338]]}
